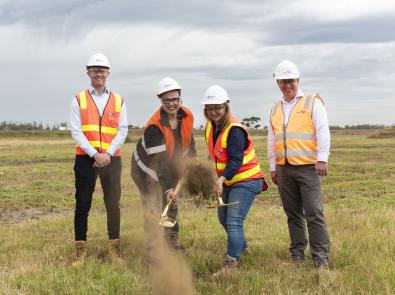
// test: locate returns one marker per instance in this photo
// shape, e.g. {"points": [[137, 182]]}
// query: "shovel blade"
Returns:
{"points": [[167, 222]]}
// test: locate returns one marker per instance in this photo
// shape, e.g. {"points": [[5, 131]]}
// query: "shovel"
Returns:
{"points": [[220, 202], [165, 220]]}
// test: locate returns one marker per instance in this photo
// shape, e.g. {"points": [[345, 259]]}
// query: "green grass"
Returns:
{"points": [[36, 228]]}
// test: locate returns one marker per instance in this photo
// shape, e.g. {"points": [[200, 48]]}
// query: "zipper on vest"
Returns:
{"points": [[285, 129], [215, 156], [216, 165], [100, 121], [101, 117], [285, 138]]}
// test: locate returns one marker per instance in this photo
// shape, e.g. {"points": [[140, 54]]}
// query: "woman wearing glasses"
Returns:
{"points": [[166, 141], [240, 177]]}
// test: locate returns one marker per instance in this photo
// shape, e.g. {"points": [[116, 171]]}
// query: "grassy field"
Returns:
{"points": [[36, 228]]}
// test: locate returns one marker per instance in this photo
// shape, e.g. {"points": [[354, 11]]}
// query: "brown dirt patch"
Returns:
{"points": [[15, 216]]}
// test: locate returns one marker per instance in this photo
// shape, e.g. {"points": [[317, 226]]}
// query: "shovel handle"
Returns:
{"points": [[164, 213], [176, 191], [220, 202], [219, 198], [178, 187]]}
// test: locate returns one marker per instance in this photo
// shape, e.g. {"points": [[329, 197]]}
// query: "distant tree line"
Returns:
{"points": [[251, 123], [35, 126], [130, 127], [358, 127]]}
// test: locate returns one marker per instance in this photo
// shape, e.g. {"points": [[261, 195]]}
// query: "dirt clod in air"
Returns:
{"points": [[198, 180]]}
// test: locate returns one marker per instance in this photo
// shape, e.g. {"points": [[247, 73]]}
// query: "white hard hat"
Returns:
{"points": [[99, 60], [215, 95], [167, 84], [286, 70]]}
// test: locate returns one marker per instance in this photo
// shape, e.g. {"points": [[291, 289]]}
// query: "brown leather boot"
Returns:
{"points": [[114, 251], [80, 253], [230, 264]]}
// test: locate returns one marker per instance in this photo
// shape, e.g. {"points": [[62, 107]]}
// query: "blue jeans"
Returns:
{"points": [[232, 217]]}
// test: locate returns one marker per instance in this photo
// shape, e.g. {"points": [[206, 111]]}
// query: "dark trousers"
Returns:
{"points": [[153, 201], [300, 191], [85, 181]]}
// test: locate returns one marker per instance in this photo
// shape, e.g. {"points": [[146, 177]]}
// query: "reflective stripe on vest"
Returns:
{"points": [[143, 167], [83, 104], [100, 131], [250, 168], [297, 154], [104, 129], [296, 142], [246, 175], [154, 149], [98, 144]]}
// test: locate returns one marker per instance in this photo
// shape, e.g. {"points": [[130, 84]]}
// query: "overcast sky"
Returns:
{"points": [[344, 49]]}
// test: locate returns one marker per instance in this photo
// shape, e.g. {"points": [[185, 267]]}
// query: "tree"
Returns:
{"points": [[252, 122]]}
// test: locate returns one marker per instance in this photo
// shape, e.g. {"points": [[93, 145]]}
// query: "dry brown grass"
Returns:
{"points": [[359, 195], [17, 141], [385, 133]]}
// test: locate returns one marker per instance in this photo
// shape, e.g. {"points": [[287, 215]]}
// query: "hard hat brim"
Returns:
{"points": [[286, 77], [102, 66], [218, 101], [167, 90]]}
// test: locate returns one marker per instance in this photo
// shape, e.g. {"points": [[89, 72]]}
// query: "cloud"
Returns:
{"points": [[343, 49]]}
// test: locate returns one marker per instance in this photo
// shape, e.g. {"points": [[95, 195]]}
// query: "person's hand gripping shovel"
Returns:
{"points": [[165, 220], [220, 202]]}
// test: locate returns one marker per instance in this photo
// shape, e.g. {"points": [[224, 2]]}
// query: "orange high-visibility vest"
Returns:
{"points": [[250, 169], [100, 131], [186, 131], [296, 142]]}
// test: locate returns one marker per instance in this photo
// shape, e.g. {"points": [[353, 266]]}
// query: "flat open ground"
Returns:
{"points": [[36, 228]]}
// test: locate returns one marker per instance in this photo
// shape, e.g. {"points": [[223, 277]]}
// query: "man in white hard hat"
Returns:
{"points": [[298, 151], [99, 128], [156, 162]]}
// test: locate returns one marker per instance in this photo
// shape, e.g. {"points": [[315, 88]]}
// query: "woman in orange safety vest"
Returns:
{"points": [[166, 141]]}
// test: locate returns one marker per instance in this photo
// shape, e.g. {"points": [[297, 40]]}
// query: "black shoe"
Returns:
{"points": [[297, 258], [178, 247], [321, 263], [172, 241]]}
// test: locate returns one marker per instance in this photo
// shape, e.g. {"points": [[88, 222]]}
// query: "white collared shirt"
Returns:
{"points": [[320, 122], [101, 102]]}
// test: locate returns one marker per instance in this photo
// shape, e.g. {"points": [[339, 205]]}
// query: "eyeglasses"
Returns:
{"points": [[173, 100], [98, 71], [287, 81], [216, 108]]}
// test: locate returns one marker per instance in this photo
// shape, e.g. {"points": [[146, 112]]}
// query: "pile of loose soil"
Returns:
{"points": [[198, 180]]}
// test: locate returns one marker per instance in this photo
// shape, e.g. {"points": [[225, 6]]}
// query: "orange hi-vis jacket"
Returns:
{"points": [[99, 130], [186, 131], [249, 170], [296, 142]]}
